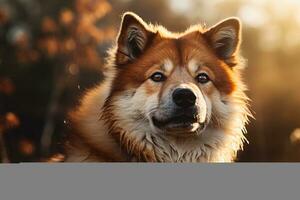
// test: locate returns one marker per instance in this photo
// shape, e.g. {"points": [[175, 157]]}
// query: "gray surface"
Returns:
{"points": [[150, 181]]}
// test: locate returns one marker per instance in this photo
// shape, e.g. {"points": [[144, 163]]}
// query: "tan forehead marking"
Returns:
{"points": [[194, 65], [167, 66]]}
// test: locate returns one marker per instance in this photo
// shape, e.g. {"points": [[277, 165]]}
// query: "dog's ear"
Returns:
{"points": [[225, 37], [133, 38]]}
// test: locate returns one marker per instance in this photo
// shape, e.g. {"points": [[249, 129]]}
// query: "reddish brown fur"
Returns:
{"points": [[132, 73], [179, 51]]}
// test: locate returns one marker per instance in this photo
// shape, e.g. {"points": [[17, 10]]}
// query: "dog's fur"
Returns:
{"points": [[115, 119]]}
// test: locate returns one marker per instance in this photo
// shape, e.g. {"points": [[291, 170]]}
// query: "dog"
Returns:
{"points": [[166, 97]]}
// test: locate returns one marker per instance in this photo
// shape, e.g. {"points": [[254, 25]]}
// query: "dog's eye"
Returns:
{"points": [[158, 77], [202, 78]]}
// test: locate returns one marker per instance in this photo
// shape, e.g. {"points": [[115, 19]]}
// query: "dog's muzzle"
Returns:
{"points": [[184, 117]]}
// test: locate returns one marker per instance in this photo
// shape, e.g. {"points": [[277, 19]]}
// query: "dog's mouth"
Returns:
{"points": [[178, 124]]}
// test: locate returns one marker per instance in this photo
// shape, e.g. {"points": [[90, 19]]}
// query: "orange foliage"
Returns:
{"points": [[6, 86], [50, 46], [26, 147], [74, 36], [83, 35], [66, 17], [49, 25], [11, 120], [8, 121], [4, 17]]}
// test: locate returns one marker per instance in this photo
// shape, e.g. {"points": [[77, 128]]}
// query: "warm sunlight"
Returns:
{"points": [[53, 52]]}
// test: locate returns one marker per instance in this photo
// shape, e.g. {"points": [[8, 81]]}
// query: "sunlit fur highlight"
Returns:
{"points": [[107, 127]]}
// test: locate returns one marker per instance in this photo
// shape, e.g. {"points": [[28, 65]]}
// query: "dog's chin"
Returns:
{"points": [[179, 126]]}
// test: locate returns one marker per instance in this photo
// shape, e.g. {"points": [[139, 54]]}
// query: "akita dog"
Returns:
{"points": [[166, 97]]}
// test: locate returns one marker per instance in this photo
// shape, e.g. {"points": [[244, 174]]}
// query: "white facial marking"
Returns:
{"points": [[193, 66], [168, 65]]}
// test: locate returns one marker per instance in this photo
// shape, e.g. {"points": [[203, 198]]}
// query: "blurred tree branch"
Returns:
{"points": [[3, 149]]}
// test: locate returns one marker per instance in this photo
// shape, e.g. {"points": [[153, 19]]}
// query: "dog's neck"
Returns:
{"points": [[213, 145], [141, 143]]}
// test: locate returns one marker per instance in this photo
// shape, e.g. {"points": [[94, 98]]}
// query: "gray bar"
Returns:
{"points": [[150, 181]]}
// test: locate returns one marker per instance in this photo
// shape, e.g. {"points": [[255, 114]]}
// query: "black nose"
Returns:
{"points": [[184, 97]]}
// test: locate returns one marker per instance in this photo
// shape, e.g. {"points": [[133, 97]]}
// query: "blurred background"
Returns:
{"points": [[52, 51]]}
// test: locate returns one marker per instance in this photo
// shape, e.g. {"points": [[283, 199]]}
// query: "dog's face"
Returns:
{"points": [[174, 84]]}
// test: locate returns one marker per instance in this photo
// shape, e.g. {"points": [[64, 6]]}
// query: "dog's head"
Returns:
{"points": [[174, 84]]}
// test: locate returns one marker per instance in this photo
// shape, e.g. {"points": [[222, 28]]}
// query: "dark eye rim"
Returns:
{"points": [[161, 79], [203, 81]]}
